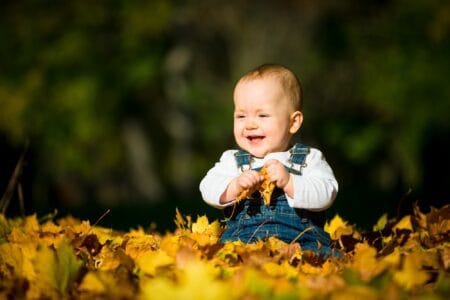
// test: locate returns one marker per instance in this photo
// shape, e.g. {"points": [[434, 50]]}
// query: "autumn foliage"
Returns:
{"points": [[70, 258]]}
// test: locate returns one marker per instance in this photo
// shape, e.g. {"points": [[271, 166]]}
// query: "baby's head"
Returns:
{"points": [[286, 78], [268, 105]]}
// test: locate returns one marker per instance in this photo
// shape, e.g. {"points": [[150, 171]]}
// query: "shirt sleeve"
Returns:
{"points": [[317, 187], [218, 178]]}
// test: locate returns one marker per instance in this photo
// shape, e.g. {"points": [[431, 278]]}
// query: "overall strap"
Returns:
{"points": [[243, 158], [297, 158]]}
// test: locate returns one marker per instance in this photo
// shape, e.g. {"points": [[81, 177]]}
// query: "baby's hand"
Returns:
{"points": [[277, 173], [248, 179], [247, 183]]}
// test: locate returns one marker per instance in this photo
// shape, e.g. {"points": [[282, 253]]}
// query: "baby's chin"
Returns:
{"points": [[258, 155]]}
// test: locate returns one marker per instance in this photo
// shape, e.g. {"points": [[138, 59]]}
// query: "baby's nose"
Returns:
{"points": [[251, 123]]}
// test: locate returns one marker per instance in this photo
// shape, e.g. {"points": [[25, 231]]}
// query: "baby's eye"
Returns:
{"points": [[239, 116], [263, 115]]}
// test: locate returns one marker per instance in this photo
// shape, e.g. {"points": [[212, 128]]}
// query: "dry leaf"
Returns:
{"points": [[337, 227], [411, 274], [70, 259], [265, 189]]}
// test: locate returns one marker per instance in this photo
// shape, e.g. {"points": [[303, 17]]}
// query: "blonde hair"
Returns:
{"points": [[287, 78]]}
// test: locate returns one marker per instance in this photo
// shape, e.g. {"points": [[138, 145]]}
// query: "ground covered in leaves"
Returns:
{"points": [[68, 258]]}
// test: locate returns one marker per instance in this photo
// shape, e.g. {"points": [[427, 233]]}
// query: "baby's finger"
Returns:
{"points": [[248, 182], [256, 177], [250, 179], [272, 175]]}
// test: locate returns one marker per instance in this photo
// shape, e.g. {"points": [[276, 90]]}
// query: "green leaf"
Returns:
{"points": [[57, 268], [382, 221]]}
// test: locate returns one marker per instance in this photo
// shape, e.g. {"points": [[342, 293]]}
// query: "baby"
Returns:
{"points": [[267, 113]]}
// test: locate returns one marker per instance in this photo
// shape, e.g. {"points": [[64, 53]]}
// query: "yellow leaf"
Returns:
{"points": [[197, 280], [387, 239], [276, 244], [392, 259], [179, 220], [204, 232], [19, 236], [105, 285], [107, 259], [325, 269], [38, 259], [104, 235], [201, 225], [159, 288], [170, 244], [404, 223], [228, 253], [51, 234], [150, 261], [91, 283], [280, 270], [411, 274], [31, 223], [139, 243], [202, 239], [82, 228], [19, 257], [337, 227], [365, 262], [215, 229], [310, 269], [265, 189], [50, 227]]}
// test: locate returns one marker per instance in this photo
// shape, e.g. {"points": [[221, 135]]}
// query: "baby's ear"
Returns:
{"points": [[296, 121]]}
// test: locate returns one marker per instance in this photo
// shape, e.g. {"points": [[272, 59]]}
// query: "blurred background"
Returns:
{"points": [[126, 104]]}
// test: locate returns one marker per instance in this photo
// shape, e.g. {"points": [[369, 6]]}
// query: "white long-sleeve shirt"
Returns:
{"points": [[314, 190]]}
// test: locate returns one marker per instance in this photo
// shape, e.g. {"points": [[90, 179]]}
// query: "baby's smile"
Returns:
{"points": [[255, 139]]}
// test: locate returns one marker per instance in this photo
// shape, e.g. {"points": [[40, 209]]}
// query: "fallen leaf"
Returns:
{"points": [[381, 223], [411, 274], [404, 223], [337, 227]]}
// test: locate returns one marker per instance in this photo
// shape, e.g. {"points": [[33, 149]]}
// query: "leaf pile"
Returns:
{"points": [[69, 258]]}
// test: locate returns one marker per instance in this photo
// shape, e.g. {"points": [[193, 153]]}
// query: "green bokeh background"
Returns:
{"points": [[126, 104]]}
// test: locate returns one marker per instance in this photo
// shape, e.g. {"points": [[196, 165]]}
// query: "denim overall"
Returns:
{"points": [[252, 220]]}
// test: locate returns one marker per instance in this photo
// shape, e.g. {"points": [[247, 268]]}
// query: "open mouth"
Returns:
{"points": [[255, 138]]}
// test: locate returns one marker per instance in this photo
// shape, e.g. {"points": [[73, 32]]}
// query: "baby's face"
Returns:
{"points": [[264, 118]]}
